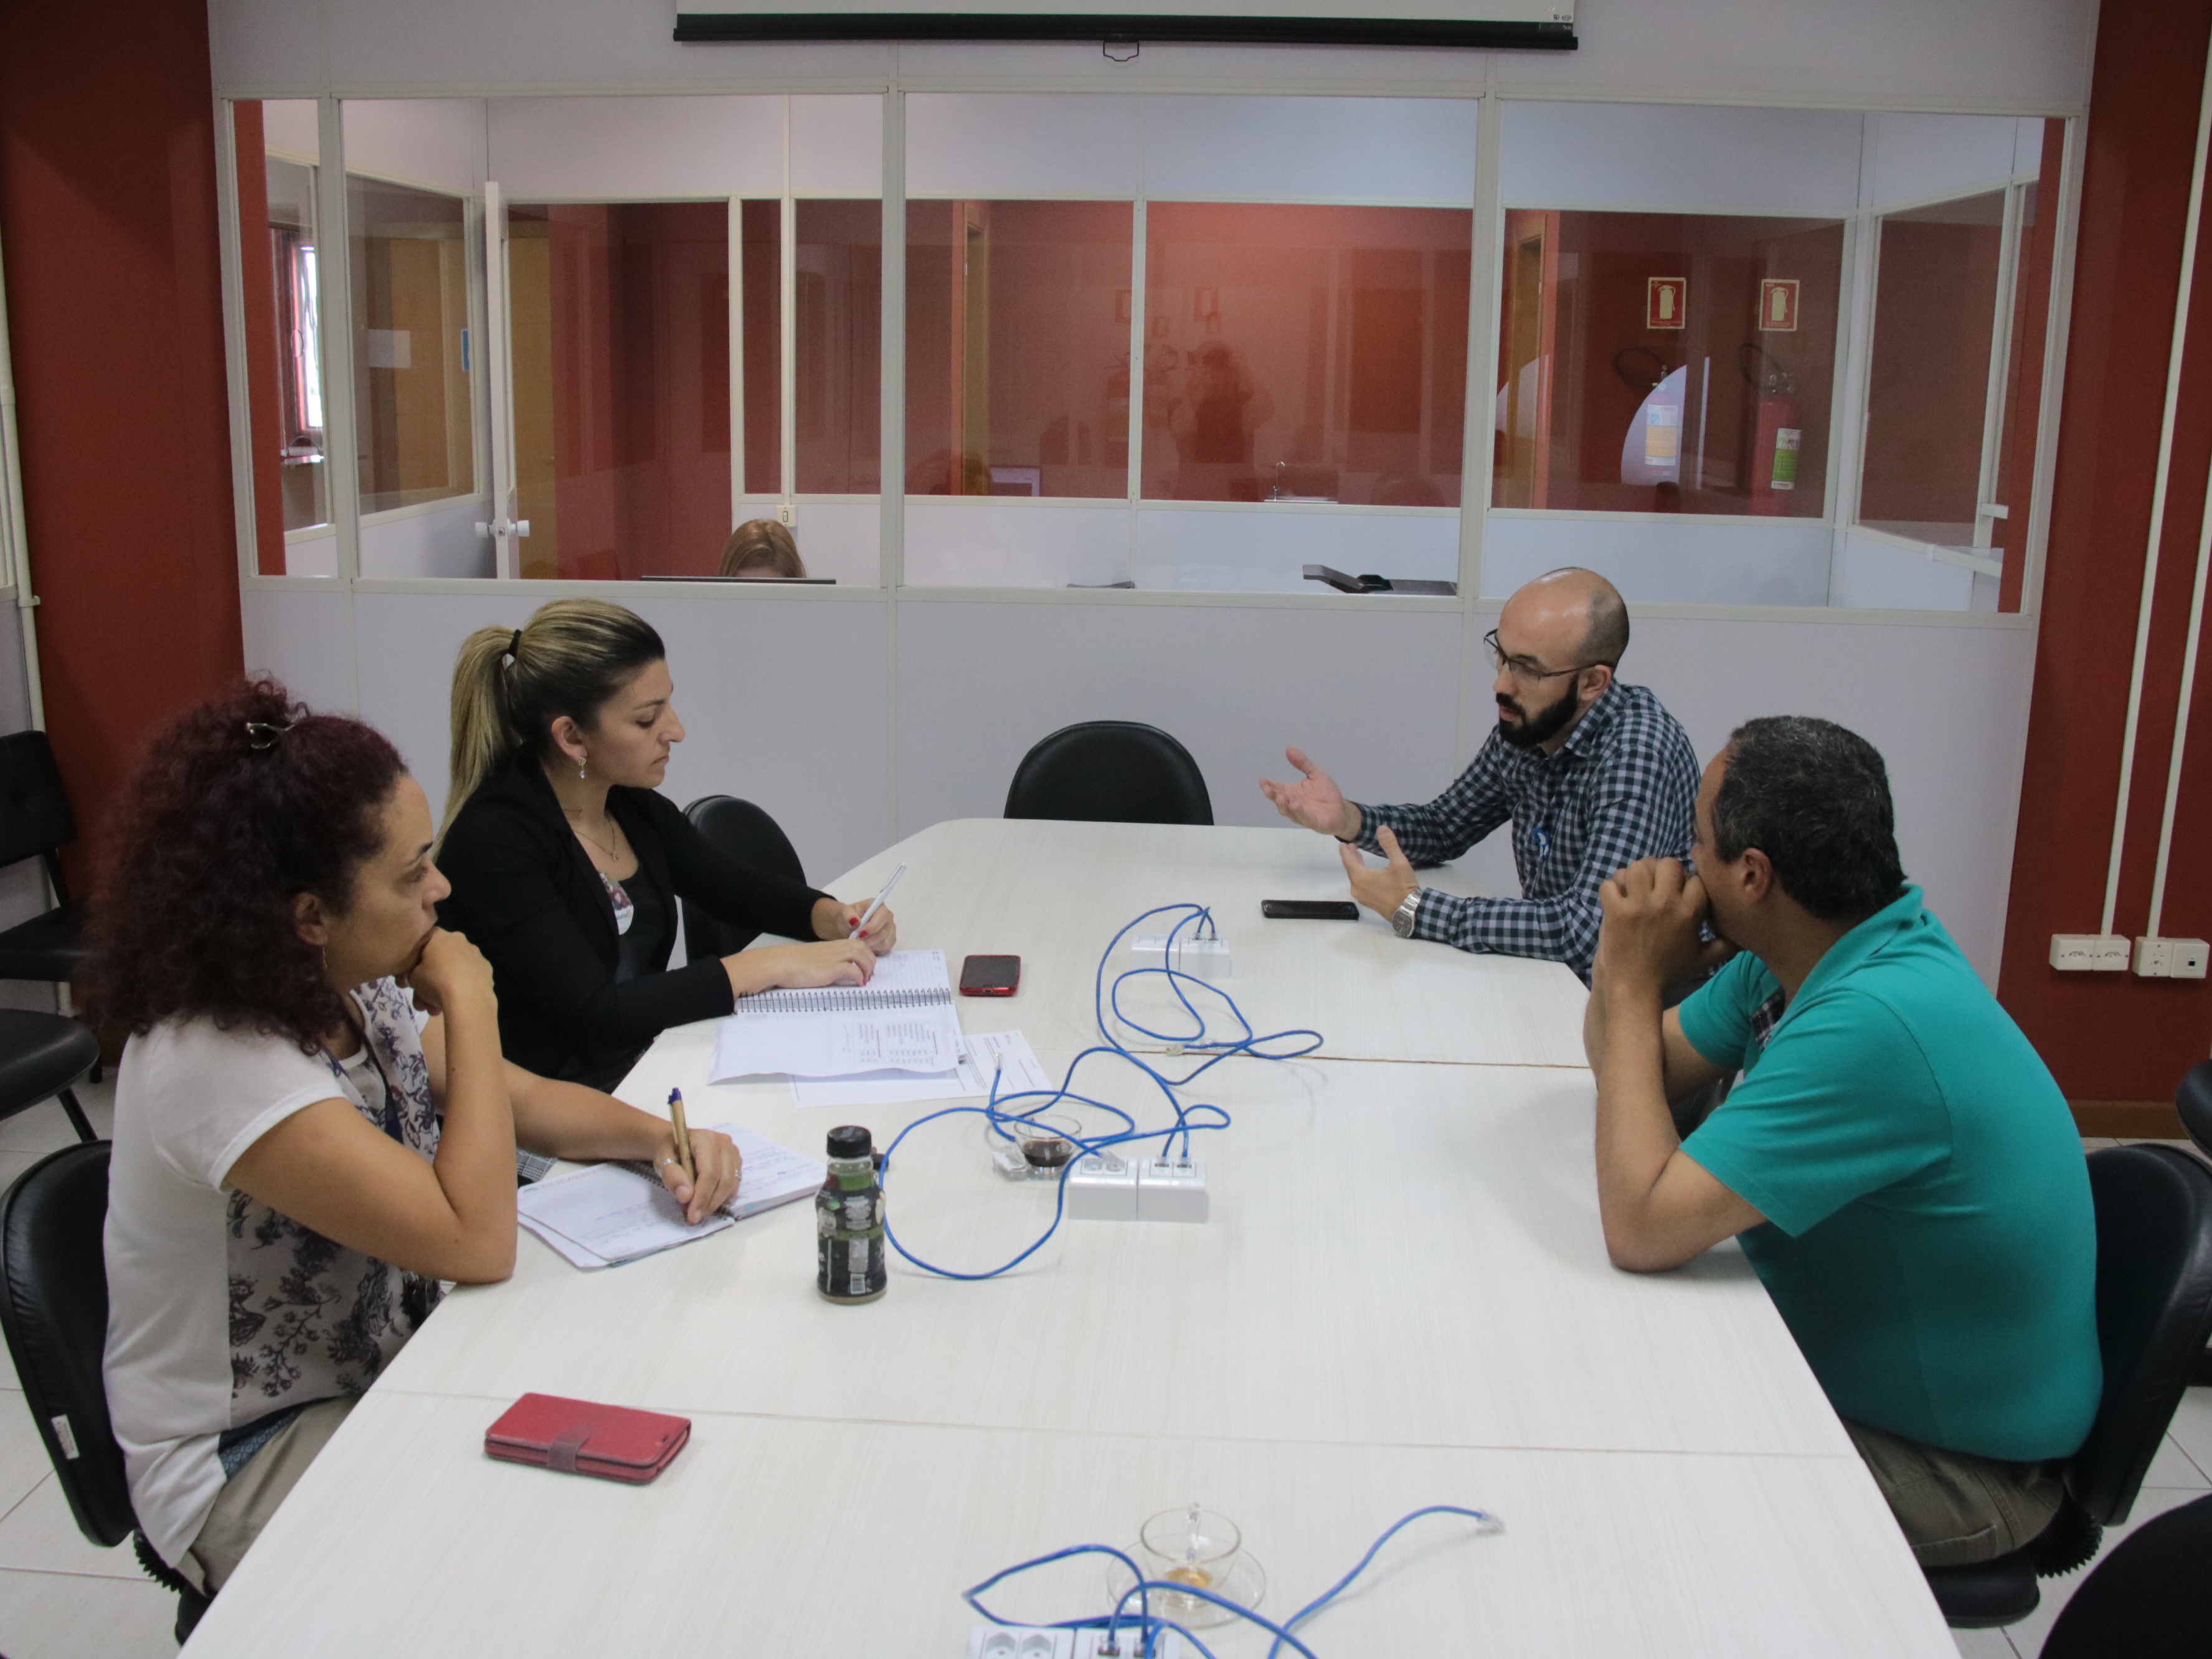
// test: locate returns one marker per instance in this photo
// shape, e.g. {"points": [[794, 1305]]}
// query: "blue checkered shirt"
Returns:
{"points": [[1623, 786]]}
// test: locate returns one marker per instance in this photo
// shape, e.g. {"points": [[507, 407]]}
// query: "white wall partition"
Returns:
{"points": [[859, 713]]}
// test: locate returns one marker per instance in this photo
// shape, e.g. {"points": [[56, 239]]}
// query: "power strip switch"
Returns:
{"points": [[1201, 958], [1172, 1189], [2170, 958], [1101, 1187], [2089, 953]]}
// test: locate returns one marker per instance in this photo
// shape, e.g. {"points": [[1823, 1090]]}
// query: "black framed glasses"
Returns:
{"points": [[1523, 669]]}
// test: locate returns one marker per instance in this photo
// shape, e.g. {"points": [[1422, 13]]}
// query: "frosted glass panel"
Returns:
{"points": [[610, 148], [1293, 149], [1680, 158], [1020, 145], [837, 145]]}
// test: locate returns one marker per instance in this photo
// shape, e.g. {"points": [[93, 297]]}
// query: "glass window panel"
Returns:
{"points": [[840, 289], [278, 169], [1955, 380], [414, 414], [1928, 382], [1018, 349], [1666, 362], [621, 385], [761, 231], [1315, 353]]}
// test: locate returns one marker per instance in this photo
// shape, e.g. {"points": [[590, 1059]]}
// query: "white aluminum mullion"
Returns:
{"points": [[788, 346], [890, 397], [334, 322]]}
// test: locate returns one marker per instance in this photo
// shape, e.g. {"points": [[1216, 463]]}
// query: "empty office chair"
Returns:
{"points": [[1110, 772], [748, 834], [2149, 1599], [35, 821], [2154, 1313], [53, 1311], [2193, 1101], [43, 1057]]}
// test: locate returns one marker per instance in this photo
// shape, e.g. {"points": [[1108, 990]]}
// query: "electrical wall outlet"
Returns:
{"points": [[2170, 958], [2090, 953]]}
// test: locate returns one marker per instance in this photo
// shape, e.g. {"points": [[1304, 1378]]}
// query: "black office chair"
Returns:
{"points": [[1110, 772], [2193, 1102], [748, 834], [53, 1311], [35, 821], [44, 1057], [2154, 1312], [2149, 1599]]}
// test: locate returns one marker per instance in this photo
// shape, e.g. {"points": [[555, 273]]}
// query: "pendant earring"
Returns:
{"points": [[579, 769]]}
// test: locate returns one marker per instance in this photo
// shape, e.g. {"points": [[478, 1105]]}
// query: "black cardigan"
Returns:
{"points": [[527, 895]]}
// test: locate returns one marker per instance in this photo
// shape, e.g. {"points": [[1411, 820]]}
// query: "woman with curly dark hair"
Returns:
{"points": [[283, 1197]]}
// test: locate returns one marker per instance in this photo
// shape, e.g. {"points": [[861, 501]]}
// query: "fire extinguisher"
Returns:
{"points": [[1774, 452]]}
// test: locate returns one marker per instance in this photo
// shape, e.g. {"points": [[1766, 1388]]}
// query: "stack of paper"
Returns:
{"points": [[611, 1213], [901, 1021]]}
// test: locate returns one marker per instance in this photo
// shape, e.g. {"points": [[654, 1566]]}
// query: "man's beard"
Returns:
{"points": [[1532, 729]]}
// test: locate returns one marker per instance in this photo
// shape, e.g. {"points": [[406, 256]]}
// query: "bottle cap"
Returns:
{"points": [[850, 1140]]}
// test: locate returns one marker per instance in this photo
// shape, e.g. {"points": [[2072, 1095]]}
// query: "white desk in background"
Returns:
{"points": [[1401, 1298], [1054, 893]]}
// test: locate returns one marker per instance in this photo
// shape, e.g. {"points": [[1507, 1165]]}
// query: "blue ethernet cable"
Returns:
{"points": [[1144, 1625], [1103, 999]]}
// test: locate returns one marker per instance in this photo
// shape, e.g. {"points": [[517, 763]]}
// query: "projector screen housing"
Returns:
{"points": [[1533, 25]]}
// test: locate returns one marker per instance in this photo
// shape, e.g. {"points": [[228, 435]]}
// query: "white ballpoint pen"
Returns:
{"points": [[868, 914]]}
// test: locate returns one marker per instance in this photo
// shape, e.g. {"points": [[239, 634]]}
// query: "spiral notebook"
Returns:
{"points": [[902, 1020]]}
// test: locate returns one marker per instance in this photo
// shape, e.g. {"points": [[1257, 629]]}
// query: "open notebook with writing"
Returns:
{"points": [[902, 1020]]}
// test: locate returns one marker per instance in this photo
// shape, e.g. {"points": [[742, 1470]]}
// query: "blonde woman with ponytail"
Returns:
{"points": [[566, 862]]}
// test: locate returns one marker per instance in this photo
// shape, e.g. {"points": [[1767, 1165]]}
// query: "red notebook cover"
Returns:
{"points": [[579, 1436]]}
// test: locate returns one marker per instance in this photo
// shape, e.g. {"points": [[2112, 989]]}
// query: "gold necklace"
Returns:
{"points": [[613, 856]]}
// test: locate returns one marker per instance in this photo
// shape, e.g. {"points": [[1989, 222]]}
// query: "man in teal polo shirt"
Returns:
{"points": [[1904, 1173]]}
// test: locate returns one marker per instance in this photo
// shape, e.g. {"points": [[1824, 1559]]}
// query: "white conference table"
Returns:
{"points": [[1401, 1298]]}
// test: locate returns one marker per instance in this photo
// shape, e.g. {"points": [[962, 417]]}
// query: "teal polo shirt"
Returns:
{"points": [[1928, 1237]]}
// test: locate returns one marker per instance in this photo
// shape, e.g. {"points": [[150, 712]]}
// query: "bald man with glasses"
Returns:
{"points": [[1594, 773]]}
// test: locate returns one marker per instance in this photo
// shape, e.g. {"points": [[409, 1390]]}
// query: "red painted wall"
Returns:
{"points": [[2114, 1037], [107, 224]]}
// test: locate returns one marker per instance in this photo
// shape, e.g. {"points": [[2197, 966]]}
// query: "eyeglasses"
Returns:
{"points": [[1523, 669]]}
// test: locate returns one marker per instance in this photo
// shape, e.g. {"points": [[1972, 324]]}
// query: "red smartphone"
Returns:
{"points": [[990, 976]]}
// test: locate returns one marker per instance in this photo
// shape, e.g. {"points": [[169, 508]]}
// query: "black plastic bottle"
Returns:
{"points": [[849, 1221]]}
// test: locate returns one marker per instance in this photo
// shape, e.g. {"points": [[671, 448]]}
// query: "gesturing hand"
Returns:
{"points": [[1314, 801], [1381, 891], [1650, 937]]}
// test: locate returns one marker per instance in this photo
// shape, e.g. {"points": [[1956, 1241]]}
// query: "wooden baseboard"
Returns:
{"points": [[2128, 1119]]}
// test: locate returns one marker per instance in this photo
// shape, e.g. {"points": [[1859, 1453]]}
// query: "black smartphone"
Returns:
{"points": [[1310, 909], [990, 976]]}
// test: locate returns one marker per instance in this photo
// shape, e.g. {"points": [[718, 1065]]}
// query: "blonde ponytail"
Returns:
{"points": [[510, 684]]}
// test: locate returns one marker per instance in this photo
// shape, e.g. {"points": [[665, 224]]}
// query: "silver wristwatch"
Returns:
{"points": [[1402, 919]]}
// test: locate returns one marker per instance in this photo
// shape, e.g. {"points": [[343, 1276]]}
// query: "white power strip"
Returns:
{"points": [[1103, 1187], [1201, 958], [1043, 1642]]}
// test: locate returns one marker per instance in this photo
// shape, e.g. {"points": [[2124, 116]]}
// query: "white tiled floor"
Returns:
{"points": [[62, 1598]]}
